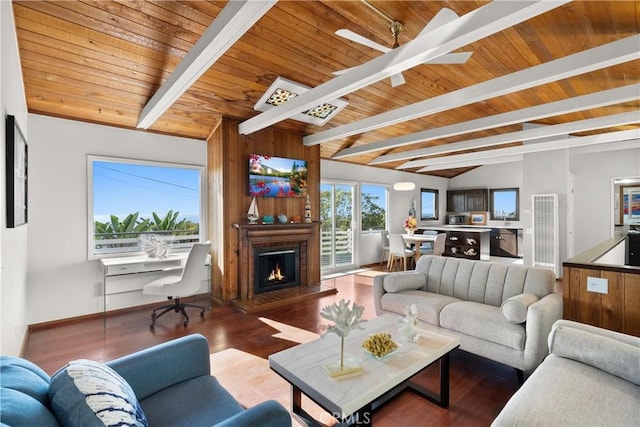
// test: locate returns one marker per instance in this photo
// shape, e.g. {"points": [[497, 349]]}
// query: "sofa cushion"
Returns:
{"points": [[482, 321], [89, 393], [599, 348], [19, 409], [428, 304], [189, 397], [563, 392], [404, 281], [514, 309], [26, 377]]}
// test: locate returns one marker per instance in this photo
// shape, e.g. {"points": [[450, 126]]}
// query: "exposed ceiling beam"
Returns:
{"points": [[602, 56], [565, 106], [231, 24], [475, 25], [476, 162], [556, 144], [526, 135], [595, 148]]}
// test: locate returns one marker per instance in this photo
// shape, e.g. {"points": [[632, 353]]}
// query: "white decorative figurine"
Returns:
{"points": [[408, 324]]}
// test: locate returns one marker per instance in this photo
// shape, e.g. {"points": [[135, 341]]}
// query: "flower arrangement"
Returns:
{"points": [[344, 319], [411, 223]]}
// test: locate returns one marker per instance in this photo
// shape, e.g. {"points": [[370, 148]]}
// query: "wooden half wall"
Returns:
{"points": [[617, 310], [228, 199]]}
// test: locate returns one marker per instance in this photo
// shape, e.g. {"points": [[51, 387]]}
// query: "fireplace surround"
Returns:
{"points": [[256, 239]]}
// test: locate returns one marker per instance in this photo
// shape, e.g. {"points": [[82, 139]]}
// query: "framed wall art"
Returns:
{"points": [[478, 218], [16, 179]]}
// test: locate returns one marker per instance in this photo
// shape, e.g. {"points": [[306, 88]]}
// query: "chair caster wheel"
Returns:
{"points": [[151, 325], [202, 313], [185, 323]]}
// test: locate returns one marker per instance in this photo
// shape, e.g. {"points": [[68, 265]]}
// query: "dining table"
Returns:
{"points": [[417, 240]]}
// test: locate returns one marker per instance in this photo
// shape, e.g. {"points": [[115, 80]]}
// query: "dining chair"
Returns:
{"points": [[437, 247], [398, 251], [384, 241], [427, 245]]}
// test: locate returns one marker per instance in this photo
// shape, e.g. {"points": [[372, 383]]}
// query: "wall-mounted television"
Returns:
{"points": [[271, 176]]}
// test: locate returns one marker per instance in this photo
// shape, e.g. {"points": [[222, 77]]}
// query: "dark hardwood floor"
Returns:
{"points": [[479, 387]]}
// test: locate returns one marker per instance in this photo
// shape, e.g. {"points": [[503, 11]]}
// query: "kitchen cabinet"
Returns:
{"points": [[504, 242], [467, 200], [469, 244]]}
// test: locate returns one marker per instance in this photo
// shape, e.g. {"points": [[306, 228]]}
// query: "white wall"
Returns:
{"points": [[62, 282], [592, 168], [594, 172], [368, 245], [13, 242]]}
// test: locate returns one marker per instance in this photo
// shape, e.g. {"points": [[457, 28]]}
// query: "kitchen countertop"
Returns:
{"points": [[468, 226], [475, 229]]}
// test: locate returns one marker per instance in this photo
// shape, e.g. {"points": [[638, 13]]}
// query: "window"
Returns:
{"points": [[428, 204], [373, 207], [129, 199], [504, 203]]}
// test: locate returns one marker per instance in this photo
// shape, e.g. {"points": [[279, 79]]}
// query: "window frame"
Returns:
{"points": [[91, 158], [387, 192], [436, 203], [492, 192]]}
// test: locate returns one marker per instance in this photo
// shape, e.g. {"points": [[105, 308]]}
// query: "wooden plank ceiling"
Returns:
{"points": [[101, 61]]}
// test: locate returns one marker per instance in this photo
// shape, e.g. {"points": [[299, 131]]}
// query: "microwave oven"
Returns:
{"points": [[457, 219]]}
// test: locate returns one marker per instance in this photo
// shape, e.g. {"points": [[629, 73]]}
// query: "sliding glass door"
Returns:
{"points": [[337, 231]]}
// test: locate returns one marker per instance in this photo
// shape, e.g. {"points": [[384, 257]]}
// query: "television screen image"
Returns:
{"points": [[271, 176]]}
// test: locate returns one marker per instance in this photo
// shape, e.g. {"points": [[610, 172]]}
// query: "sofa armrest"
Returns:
{"points": [[396, 282], [156, 368], [378, 292], [609, 351], [265, 414], [541, 316]]}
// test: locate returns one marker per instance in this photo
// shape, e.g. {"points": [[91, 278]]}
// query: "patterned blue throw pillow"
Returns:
{"points": [[87, 393]]}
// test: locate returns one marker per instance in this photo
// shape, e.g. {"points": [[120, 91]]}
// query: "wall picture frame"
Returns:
{"points": [[478, 218], [16, 174]]}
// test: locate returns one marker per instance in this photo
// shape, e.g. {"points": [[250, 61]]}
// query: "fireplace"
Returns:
{"points": [[276, 268], [276, 241]]}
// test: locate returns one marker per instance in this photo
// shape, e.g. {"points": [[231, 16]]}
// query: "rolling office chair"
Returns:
{"points": [[176, 287]]}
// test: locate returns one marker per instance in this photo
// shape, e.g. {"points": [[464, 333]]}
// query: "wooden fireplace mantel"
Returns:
{"points": [[251, 236]]}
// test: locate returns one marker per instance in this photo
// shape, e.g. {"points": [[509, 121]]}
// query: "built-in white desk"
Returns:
{"points": [[120, 267]]}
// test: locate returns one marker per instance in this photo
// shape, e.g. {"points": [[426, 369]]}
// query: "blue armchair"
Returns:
{"points": [[171, 381]]}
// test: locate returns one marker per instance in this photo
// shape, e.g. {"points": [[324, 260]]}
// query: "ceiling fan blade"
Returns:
{"points": [[444, 16], [397, 80], [350, 35], [451, 58]]}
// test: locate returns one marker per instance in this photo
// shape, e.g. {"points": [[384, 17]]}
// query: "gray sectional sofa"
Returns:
{"points": [[590, 378], [503, 312]]}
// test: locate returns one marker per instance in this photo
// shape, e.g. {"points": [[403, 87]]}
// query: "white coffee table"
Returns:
{"points": [[352, 399]]}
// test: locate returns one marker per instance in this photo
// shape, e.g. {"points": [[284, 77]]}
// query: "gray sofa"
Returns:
{"points": [[590, 378], [503, 312], [169, 384]]}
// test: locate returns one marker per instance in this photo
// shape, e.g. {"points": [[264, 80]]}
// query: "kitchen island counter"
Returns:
{"points": [[465, 242]]}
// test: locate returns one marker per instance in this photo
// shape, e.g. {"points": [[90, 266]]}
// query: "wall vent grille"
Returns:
{"points": [[546, 251]]}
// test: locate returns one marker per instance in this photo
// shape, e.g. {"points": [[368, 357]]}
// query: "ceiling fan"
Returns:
{"points": [[444, 16]]}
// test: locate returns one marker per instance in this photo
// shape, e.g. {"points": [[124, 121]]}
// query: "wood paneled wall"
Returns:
{"points": [[228, 199], [618, 310]]}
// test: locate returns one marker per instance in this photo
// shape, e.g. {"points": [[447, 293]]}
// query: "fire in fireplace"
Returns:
{"points": [[276, 268]]}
